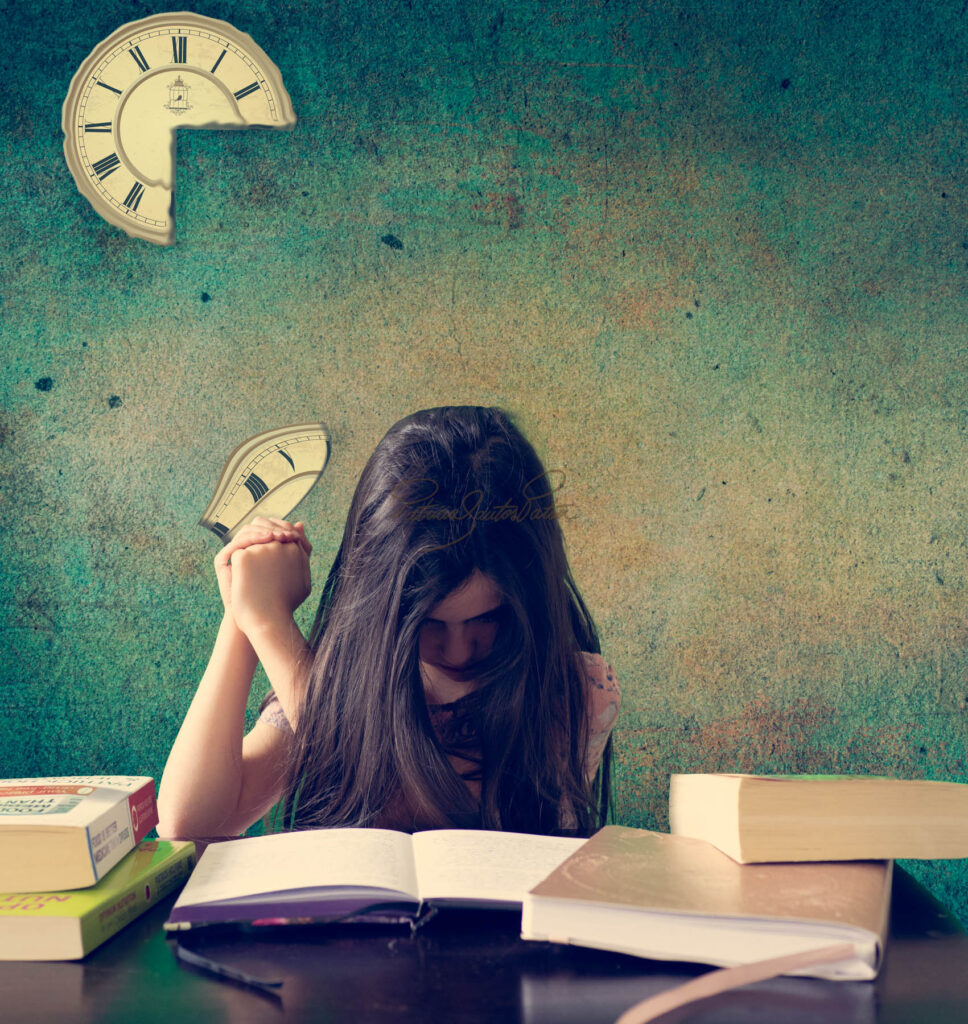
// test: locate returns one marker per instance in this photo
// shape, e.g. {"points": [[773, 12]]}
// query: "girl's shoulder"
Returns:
{"points": [[604, 693], [599, 675]]}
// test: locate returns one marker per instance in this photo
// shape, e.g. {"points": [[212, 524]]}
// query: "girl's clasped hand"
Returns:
{"points": [[452, 676], [263, 572]]}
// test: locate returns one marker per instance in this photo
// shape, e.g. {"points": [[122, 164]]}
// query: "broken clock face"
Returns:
{"points": [[267, 475], [137, 87]]}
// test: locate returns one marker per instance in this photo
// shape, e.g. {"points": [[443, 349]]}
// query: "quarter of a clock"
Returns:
{"points": [[137, 88], [267, 475]]}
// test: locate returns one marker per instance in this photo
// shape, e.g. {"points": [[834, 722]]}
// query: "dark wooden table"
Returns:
{"points": [[468, 966]]}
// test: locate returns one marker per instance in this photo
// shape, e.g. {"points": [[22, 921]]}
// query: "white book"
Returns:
{"points": [[672, 898]]}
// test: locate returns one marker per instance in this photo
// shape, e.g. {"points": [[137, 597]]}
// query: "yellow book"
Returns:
{"points": [[67, 925]]}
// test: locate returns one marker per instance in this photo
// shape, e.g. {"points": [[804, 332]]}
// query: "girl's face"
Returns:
{"points": [[457, 635]]}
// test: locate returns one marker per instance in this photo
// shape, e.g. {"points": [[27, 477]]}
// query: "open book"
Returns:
{"points": [[673, 898], [329, 874]]}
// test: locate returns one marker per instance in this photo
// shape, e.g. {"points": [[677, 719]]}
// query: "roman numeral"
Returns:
{"points": [[139, 57], [288, 458], [256, 486], [219, 61], [134, 196], [106, 165], [219, 529], [247, 90], [110, 88], [179, 49], [98, 126]]}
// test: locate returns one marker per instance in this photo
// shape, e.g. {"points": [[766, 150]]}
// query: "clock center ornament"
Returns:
{"points": [[137, 88]]}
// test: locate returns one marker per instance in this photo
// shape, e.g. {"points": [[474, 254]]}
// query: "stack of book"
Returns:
{"points": [[756, 867], [75, 866]]}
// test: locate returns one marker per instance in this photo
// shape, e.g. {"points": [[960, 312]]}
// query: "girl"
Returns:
{"points": [[452, 676]]}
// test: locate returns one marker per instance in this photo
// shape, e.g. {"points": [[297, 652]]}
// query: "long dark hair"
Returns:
{"points": [[448, 491]]}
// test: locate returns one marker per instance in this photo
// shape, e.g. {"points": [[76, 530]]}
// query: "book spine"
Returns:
{"points": [[109, 837], [143, 811], [142, 893]]}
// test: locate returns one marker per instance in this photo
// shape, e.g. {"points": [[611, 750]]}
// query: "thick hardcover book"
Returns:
{"points": [[333, 874], [763, 818], [68, 925], [67, 832], [673, 898]]}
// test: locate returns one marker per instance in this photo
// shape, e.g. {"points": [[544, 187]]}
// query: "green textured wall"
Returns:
{"points": [[713, 255]]}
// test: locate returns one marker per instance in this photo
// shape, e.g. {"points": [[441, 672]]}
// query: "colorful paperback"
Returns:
{"points": [[67, 832]]}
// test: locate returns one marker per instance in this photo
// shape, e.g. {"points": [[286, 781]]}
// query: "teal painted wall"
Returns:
{"points": [[714, 257]]}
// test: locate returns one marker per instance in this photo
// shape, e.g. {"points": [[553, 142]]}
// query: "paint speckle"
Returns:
{"points": [[392, 241], [44, 384], [115, 401], [688, 316], [786, 83], [206, 297]]}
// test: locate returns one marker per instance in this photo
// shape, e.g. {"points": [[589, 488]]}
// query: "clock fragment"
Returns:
{"points": [[267, 475]]}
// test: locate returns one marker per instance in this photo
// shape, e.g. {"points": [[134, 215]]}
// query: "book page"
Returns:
{"points": [[464, 864], [341, 857]]}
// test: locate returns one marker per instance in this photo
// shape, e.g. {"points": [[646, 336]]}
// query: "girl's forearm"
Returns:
{"points": [[202, 781], [281, 648]]}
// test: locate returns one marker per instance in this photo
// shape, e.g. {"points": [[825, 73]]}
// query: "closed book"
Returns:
{"points": [[67, 832], [672, 898], [339, 873], [67, 925], [762, 818]]}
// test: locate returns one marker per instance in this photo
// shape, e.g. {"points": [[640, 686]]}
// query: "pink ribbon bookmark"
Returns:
{"points": [[727, 978]]}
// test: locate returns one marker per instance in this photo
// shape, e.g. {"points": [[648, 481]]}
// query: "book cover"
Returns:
{"points": [[67, 925], [673, 898], [66, 832], [764, 818]]}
